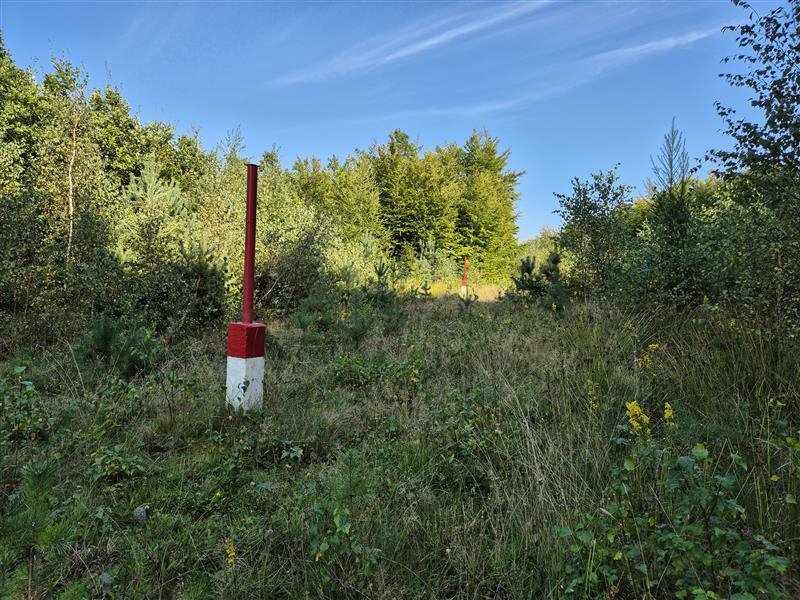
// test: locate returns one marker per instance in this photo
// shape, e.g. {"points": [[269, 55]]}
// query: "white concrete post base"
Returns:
{"points": [[245, 382]]}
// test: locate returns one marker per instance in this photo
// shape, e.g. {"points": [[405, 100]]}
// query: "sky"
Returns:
{"points": [[568, 87]]}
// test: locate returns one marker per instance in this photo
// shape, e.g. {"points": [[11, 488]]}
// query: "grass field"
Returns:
{"points": [[480, 451]]}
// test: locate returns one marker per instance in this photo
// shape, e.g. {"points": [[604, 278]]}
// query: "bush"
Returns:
{"points": [[23, 415], [671, 526], [294, 267], [544, 286], [116, 344], [430, 264], [187, 291]]}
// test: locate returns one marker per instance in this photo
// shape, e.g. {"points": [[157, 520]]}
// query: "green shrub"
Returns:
{"points": [[464, 431], [115, 464], [185, 292], [358, 321], [115, 344], [334, 540], [544, 287], [529, 285], [23, 414], [318, 310], [31, 527], [293, 269], [671, 525]]}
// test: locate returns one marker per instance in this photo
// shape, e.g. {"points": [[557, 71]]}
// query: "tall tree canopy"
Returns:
{"points": [[98, 208]]}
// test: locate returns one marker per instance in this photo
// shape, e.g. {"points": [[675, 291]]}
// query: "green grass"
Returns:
{"points": [[432, 463]]}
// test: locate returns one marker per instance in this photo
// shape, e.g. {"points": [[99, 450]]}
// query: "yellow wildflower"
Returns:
{"points": [[645, 362], [669, 415], [774, 478], [230, 551], [618, 556], [639, 421], [591, 394]]}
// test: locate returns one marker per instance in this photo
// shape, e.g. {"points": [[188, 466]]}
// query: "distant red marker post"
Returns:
{"points": [[245, 378]]}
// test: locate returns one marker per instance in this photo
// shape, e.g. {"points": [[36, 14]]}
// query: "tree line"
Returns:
{"points": [[731, 240], [100, 211], [103, 213]]}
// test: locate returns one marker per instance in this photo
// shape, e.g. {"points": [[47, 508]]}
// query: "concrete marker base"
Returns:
{"points": [[245, 379]]}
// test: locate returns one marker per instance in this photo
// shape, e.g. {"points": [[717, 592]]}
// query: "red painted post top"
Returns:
{"points": [[250, 244], [246, 340]]}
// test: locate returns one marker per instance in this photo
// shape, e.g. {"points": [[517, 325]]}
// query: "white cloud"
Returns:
{"points": [[553, 80], [622, 56], [415, 40]]}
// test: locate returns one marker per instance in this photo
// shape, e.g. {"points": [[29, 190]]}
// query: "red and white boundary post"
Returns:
{"points": [[245, 381], [464, 280]]}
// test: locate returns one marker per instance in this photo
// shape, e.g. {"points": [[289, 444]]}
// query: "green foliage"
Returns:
{"points": [[87, 221], [729, 253], [671, 172], [539, 246], [413, 448], [358, 321], [24, 416], [116, 345], [687, 537], [294, 268], [731, 241], [529, 285], [173, 277], [765, 155], [592, 233], [188, 290], [431, 264], [417, 195], [353, 311], [334, 540], [103, 212], [765, 150], [486, 226], [543, 286], [391, 469], [689, 243], [31, 529], [455, 200], [114, 464], [318, 311]]}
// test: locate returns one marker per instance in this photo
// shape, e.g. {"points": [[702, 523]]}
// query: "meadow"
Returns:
{"points": [[612, 411], [448, 449]]}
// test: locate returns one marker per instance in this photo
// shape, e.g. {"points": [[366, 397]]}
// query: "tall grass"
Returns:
{"points": [[432, 462]]}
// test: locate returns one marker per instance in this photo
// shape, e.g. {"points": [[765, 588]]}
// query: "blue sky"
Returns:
{"points": [[569, 87]]}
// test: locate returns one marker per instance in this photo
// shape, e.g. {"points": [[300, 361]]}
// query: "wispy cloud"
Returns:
{"points": [[623, 56], [553, 80], [418, 39]]}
